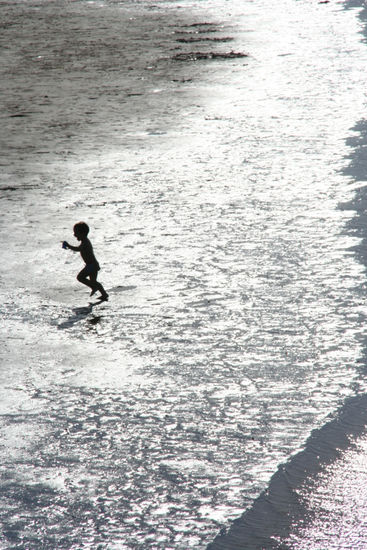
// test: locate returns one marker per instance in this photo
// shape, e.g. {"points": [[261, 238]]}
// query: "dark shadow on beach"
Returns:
{"points": [[79, 314]]}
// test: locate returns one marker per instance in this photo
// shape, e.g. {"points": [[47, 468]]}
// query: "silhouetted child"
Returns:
{"points": [[88, 275]]}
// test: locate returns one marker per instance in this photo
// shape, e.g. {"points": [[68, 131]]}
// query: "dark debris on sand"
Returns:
{"points": [[197, 56], [197, 32], [204, 39]]}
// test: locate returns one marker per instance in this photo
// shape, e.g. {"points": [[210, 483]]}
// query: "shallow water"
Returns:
{"points": [[213, 189], [341, 525]]}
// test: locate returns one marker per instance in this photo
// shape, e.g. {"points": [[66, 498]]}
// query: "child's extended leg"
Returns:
{"points": [[89, 278], [97, 286]]}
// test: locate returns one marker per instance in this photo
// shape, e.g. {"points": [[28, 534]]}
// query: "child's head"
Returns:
{"points": [[81, 229]]}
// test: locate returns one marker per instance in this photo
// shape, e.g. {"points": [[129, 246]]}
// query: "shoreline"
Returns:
{"points": [[310, 500], [283, 512]]}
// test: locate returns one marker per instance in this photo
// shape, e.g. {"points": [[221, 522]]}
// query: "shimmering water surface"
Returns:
{"points": [[216, 189], [342, 525]]}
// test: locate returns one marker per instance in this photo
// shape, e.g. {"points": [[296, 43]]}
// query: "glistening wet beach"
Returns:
{"points": [[212, 185]]}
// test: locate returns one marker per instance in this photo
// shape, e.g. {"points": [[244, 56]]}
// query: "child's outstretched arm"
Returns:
{"points": [[66, 245]]}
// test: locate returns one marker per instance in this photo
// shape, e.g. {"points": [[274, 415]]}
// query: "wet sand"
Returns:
{"points": [[75, 83], [212, 192]]}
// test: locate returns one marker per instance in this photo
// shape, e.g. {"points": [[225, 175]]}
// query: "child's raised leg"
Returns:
{"points": [[97, 286], [88, 277]]}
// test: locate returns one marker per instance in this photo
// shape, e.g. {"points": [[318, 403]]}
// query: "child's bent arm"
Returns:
{"points": [[75, 248]]}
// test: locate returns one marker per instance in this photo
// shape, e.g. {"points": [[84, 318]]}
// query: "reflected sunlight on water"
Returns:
{"points": [[213, 193], [336, 505]]}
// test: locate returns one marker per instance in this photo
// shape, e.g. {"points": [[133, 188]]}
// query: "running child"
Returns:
{"points": [[88, 275]]}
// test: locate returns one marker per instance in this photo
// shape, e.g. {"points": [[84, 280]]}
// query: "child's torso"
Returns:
{"points": [[86, 251]]}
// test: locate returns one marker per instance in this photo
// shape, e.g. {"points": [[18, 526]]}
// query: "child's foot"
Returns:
{"points": [[93, 291], [104, 297]]}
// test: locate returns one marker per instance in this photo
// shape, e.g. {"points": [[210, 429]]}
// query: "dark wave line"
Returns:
{"points": [[280, 506]]}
